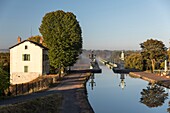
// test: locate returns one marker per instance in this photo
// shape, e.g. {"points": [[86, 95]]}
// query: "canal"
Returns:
{"points": [[109, 92]]}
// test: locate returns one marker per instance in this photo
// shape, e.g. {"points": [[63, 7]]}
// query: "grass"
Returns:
{"points": [[47, 104]]}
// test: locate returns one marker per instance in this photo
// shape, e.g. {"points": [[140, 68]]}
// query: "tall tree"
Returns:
{"points": [[153, 50], [62, 34]]}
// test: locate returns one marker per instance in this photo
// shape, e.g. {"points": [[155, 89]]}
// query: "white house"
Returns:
{"points": [[28, 60]]}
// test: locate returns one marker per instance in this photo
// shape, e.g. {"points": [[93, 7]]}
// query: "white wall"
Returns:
{"points": [[17, 64]]}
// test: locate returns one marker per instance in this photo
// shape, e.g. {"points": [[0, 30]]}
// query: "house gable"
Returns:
{"points": [[26, 61], [37, 44]]}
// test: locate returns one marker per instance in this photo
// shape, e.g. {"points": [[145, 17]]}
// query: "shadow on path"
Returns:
{"points": [[86, 71]]}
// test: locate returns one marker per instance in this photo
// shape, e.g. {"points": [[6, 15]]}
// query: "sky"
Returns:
{"points": [[105, 24]]}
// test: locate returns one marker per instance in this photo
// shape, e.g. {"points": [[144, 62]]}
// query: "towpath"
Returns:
{"points": [[152, 77]]}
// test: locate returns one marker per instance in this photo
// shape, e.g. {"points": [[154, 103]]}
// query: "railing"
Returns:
{"points": [[34, 86], [162, 72]]}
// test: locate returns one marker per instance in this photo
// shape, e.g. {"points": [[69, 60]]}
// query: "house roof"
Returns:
{"points": [[38, 44]]}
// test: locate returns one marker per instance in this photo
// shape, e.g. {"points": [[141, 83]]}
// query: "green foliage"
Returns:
{"points": [[4, 71], [134, 60], [168, 53], [62, 35], [115, 56], [37, 39], [4, 80], [5, 61], [154, 51]]}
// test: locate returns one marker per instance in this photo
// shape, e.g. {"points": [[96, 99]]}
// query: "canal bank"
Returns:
{"points": [[153, 78]]}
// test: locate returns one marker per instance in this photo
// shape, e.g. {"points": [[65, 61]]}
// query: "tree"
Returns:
{"points": [[153, 96], [4, 80], [37, 39], [62, 35], [134, 60], [153, 50], [5, 61]]}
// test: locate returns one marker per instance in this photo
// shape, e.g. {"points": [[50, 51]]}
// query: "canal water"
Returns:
{"points": [[109, 92]]}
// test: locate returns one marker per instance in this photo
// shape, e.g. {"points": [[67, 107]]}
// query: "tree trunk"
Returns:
{"points": [[59, 73], [153, 64], [62, 70]]}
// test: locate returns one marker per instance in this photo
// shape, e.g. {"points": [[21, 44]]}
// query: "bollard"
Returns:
{"points": [[32, 87], [22, 88], [28, 87], [16, 89]]}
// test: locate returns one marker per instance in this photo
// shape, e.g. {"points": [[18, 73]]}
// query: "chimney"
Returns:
{"points": [[41, 40], [19, 39]]}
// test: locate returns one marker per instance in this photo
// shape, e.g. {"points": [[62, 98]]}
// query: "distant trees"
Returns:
{"points": [[151, 57], [37, 39], [115, 56], [62, 34], [153, 51], [134, 60]]}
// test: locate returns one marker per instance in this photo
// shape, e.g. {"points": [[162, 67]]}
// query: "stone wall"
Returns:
{"points": [[19, 78]]}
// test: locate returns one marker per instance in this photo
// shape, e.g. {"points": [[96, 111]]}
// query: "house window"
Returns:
{"points": [[26, 47], [26, 57], [25, 69]]}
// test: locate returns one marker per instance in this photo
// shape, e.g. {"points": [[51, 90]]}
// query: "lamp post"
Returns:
{"points": [[92, 57], [122, 58], [166, 58]]}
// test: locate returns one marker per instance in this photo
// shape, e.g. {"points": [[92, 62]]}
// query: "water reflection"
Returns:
{"points": [[92, 83], [153, 95], [122, 83]]}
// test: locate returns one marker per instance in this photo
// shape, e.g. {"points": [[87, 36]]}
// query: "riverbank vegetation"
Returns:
{"points": [[4, 73], [152, 55]]}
